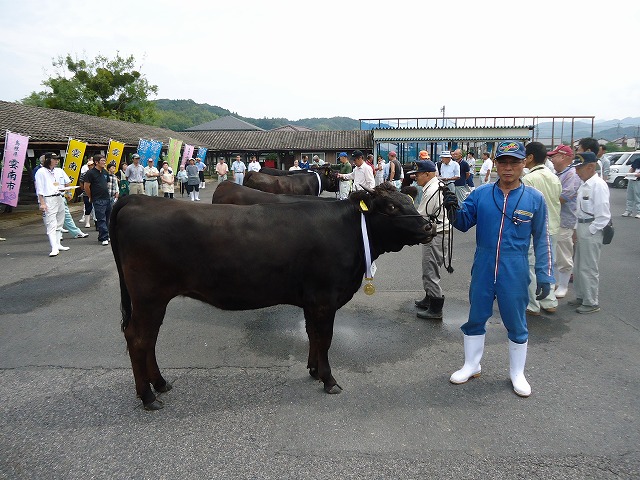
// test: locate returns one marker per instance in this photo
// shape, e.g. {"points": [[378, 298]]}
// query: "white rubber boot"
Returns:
{"points": [[473, 349], [563, 284], [53, 240], [197, 196], [87, 223], [192, 196], [60, 246], [517, 360], [82, 218]]}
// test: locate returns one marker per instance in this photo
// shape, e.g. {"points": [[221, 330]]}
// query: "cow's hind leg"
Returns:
{"points": [[141, 334], [160, 385], [312, 360], [321, 320]]}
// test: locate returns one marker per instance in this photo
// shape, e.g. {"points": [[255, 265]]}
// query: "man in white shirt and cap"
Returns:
{"points": [[593, 214], [362, 174], [50, 183]]}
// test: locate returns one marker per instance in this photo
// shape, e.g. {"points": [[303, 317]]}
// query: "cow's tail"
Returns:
{"points": [[125, 299]]}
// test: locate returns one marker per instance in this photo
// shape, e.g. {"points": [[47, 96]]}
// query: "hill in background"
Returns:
{"points": [[179, 115]]}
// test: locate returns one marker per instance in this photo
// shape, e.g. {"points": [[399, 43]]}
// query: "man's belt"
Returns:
{"points": [[54, 195], [134, 182], [585, 220]]}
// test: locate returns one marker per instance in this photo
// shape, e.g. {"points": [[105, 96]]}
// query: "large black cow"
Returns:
{"points": [[280, 173], [300, 268], [231, 192], [299, 184]]}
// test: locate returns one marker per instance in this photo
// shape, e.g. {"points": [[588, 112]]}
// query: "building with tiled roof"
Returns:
{"points": [[291, 128], [228, 122], [51, 129]]}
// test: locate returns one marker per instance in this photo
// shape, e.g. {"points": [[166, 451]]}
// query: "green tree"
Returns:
{"points": [[103, 87]]}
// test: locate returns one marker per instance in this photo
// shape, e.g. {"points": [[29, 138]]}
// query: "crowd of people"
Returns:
{"points": [[100, 187], [539, 225]]}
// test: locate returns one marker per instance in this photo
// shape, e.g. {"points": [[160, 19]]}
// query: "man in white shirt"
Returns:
{"points": [[295, 166], [238, 167], [485, 169], [449, 170], [151, 175], [593, 215], [362, 174], [254, 166], [50, 183]]}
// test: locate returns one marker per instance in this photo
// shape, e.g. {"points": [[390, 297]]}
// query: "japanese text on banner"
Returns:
{"points": [[15, 152], [73, 160], [114, 153]]}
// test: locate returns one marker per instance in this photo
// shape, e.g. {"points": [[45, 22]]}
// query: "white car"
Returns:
{"points": [[620, 166]]}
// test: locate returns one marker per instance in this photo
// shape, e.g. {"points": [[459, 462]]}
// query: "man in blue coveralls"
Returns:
{"points": [[507, 214]]}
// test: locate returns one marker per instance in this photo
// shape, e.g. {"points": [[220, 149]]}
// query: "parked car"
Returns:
{"points": [[620, 166]]}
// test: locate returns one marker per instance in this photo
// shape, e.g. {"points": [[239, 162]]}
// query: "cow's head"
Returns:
{"points": [[392, 219], [329, 178]]}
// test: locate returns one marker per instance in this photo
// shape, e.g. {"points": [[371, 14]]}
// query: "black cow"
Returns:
{"points": [[299, 184], [300, 269], [276, 172], [231, 193]]}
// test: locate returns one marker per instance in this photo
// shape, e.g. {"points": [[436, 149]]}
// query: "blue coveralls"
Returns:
{"points": [[504, 226]]}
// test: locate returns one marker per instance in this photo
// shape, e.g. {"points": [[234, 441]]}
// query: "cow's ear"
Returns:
{"points": [[362, 199]]}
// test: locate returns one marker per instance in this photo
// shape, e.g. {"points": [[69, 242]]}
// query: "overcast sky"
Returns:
{"points": [[358, 59]]}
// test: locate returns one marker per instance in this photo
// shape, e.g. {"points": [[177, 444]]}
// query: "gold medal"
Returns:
{"points": [[369, 289]]}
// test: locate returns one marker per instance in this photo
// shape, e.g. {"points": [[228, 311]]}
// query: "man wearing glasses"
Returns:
{"points": [[507, 214]]}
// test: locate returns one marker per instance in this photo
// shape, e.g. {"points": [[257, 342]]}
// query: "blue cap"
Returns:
{"points": [[511, 148], [343, 154], [583, 158], [424, 166]]}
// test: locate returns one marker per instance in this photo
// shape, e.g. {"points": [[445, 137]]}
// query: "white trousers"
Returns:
{"points": [[586, 275], [345, 188], [564, 253], [54, 216]]}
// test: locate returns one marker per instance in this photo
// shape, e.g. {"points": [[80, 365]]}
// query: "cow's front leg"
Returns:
{"points": [[322, 319]]}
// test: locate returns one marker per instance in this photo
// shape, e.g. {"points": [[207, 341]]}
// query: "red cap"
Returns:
{"points": [[565, 149]]}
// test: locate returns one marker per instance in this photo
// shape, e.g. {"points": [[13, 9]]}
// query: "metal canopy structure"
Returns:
{"points": [[452, 134], [409, 135]]}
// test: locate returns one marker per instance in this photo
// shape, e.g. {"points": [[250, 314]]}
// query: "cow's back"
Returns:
{"points": [[238, 257], [303, 184]]}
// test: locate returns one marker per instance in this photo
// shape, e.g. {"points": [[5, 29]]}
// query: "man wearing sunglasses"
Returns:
{"points": [[507, 214]]}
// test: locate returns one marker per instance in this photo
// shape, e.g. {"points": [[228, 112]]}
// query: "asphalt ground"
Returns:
{"points": [[243, 405]]}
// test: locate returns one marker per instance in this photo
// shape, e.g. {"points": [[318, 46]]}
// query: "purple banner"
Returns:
{"points": [[15, 152]]}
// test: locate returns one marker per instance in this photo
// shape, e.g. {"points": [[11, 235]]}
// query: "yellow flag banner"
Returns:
{"points": [[114, 152], [73, 160]]}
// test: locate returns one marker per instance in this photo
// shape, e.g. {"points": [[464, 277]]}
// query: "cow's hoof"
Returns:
{"points": [[155, 405], [163, 389], [333, 389], [314, 373]]}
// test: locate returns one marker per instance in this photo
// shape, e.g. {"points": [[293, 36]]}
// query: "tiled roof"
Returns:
{"points": [[56, 126], [225, 123], [285, 140], [291, 128]]}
